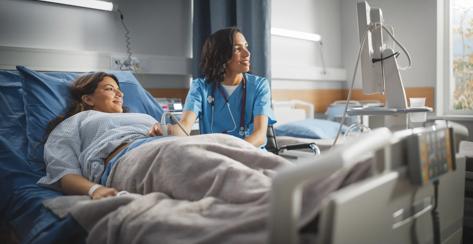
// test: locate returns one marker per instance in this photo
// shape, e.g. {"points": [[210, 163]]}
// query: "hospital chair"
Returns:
{"points": [[272, 144], [285, 112]]}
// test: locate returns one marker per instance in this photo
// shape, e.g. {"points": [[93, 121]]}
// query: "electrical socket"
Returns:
{"points": [[122, 63]]}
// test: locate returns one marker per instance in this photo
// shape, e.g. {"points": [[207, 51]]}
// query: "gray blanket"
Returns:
{"points": [[199, 189]]}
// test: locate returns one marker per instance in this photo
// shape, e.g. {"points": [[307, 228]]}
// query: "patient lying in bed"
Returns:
{"points": [[95, 137], [193, 183]]}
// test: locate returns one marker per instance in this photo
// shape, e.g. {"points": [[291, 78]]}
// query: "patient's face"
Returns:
{"points": [[240, 61], [107, 97]]}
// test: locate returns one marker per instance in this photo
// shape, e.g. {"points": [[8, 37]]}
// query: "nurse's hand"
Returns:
{"points": [[155, 130]]}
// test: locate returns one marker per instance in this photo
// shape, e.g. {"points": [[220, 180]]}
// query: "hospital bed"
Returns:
{"points": [[386, 208], [363, 212], [28, 99]]}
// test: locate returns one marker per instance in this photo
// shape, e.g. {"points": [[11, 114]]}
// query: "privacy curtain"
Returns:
{"points": [[253, 17]]}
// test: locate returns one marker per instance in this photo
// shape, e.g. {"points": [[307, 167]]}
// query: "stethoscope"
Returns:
{"points": [[211, 101]]}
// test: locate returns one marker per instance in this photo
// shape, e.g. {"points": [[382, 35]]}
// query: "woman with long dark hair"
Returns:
{"points": [[229, 99], [93, 129]]}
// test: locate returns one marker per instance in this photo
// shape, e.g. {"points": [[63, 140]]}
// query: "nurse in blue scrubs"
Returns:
{"points": [[229, 99]]}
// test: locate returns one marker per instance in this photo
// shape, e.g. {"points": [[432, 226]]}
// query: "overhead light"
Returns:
{"points": [[296, 34], [95, 4], [302, 36]]}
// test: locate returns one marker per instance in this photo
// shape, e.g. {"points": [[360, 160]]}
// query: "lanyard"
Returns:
{"points": [[211, 99]]}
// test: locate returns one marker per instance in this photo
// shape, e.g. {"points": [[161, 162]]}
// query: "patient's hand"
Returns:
{"points": [[155, 130], [173, 130], [103, 192]]}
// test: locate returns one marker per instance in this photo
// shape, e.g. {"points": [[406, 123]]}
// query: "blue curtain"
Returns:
{"points": [[253, 17]]}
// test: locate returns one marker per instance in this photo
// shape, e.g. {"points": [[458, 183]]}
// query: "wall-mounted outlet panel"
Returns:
{"points": [[122, 63]]}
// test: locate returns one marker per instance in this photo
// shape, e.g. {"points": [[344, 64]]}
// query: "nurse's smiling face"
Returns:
{"points": [[240, 61], [107, 97]]}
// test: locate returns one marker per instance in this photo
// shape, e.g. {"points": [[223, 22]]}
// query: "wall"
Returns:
{"points": [[336, 21], [85, 39], [313, 16], [164, 46], [44, 31], [296, 64]]}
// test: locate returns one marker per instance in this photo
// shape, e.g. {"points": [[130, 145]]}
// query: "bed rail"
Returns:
{"points": [[286, 192]]}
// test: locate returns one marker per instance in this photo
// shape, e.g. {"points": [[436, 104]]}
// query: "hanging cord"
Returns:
{"points": [[400, 45], [435, 214], [128, 63], [361, 127], [342, 121], [413, 230]]}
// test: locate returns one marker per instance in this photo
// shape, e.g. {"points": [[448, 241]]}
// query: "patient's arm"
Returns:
{"points": [[78, 185], [258, 136]]}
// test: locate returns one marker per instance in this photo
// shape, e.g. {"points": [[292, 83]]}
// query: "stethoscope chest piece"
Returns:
{"points": [[210, 100], [242, 131]]}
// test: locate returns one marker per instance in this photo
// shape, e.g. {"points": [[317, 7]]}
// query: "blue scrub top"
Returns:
{"points": [[258, 102]]}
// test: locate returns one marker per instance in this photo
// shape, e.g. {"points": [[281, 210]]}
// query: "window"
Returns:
{"points": [[457, 57]]}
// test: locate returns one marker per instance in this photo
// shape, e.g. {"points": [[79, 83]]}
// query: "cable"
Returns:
{"points": [[401, 46], [350, 90], [413, 230], [173, 118], [324, 67], [378, 25], [435, 214], [359, 126], [375, 60], [128, 63]]}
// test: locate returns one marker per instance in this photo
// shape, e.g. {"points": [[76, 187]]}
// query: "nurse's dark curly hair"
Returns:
{"points": [[83, 85], [216, 52]]}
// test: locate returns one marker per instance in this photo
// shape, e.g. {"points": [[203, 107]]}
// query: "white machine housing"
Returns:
{"points": [[382, 76]]}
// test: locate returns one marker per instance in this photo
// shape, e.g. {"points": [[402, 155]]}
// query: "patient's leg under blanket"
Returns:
{"points": [[191, 168], [202, 189]]}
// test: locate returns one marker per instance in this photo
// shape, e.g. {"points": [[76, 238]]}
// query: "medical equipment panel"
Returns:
{"points": [[431, 153], [170, 104]]}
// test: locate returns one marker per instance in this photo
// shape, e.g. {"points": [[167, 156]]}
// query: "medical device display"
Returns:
{"points": [[431, 154]]}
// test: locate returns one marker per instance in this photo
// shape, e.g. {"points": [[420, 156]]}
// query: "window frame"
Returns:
{"points": [[445, 79]]}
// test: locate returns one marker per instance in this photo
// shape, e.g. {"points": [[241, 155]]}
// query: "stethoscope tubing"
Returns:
{"points": [[211, 100], [231, 116]]}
